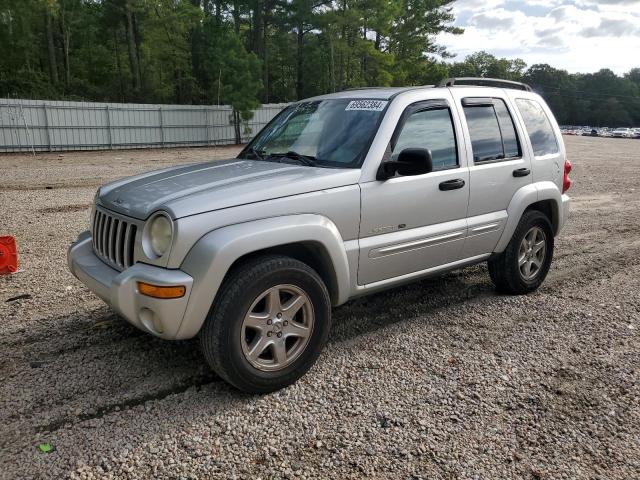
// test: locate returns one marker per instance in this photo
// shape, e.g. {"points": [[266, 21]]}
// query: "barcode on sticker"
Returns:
{"points": [[369, 105]]}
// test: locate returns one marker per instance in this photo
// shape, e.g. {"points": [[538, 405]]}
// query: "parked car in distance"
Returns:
{"points": [[339, 196], [622, 133]]}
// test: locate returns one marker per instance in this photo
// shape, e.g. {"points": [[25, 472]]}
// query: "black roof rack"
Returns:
{"points": [[484, 82], [363, 88]]}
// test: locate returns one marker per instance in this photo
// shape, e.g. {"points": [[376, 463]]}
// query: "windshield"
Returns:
{"points": [[331, 133]]}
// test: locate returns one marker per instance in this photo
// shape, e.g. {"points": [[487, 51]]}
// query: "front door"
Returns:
{"points": [[414, 223]]}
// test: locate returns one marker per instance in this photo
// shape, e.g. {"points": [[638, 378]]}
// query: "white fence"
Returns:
{"points": [[37, 125]]}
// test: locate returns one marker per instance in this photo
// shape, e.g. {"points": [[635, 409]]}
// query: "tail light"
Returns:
{"points": [[566, 181]]}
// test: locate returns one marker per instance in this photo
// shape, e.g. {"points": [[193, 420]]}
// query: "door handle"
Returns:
{"points": [[452, 184], [521, 172]]}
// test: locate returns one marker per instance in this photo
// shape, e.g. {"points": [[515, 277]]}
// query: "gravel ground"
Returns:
{"points": [[440, 379]]}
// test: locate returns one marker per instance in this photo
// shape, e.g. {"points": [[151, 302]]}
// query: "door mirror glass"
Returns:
{"points": [[410, 161]]}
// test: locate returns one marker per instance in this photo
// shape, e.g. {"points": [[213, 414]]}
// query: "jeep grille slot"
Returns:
{"points": [[113, 239]]}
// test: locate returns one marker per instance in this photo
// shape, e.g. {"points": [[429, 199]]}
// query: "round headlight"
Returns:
{"points": [[160, 233]]}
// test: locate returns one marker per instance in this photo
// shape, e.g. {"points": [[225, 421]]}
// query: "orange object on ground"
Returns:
{"points": [[8, 255]]}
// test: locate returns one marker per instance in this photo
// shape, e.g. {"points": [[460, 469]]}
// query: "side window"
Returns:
{"points": [[431, 129], [543, 140], [493, 135], [509, 137]]}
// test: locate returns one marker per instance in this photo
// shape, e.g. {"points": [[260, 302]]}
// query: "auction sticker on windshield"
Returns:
{"points": [[368, 105]]}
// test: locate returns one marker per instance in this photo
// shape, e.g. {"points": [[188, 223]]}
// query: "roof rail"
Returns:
{"points": [[484, 82], [350, 89]]}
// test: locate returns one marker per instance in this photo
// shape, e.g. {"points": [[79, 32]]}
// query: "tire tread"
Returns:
{"points": [[239, 279], [503, 268]]}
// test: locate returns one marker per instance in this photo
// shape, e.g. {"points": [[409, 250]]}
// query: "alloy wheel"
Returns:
{"points": [[277, 327], [532, 253]]}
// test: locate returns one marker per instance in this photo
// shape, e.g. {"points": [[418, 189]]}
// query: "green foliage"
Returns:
{"points": [[250, 51], [595, 99], [232, 75], [45, 447], [205, 51], [483, 64]]}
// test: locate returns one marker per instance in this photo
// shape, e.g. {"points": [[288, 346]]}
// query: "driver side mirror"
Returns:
{"points": [[411, 161]]}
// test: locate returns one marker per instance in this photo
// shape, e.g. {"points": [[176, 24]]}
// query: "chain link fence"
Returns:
{"points": [[37, 125]]}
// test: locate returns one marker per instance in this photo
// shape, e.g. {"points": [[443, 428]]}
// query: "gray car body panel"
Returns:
{"points": [[332, 204], [195, 189], [120, 289], [372, 234], [226, 245]]}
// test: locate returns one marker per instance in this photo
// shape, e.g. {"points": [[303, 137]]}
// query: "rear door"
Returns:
{"points": [[498, 165]]}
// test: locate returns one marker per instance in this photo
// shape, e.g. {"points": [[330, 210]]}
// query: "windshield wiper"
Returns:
{"points": [[303, 159]]}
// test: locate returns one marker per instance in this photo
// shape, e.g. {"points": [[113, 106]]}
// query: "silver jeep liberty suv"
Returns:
{"points": [[339, 196]]}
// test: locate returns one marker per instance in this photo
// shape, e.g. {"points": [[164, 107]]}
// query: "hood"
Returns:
{"points": [[188, 190]]}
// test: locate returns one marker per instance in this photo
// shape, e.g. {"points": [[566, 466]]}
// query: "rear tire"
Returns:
{"points": [[269, 323], [524, 264]]}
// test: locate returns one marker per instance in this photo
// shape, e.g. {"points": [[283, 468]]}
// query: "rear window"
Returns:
{"points": [[539, 128], [493, 136]]}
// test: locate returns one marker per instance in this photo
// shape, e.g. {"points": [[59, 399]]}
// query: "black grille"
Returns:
{"points": [[114, 239]]}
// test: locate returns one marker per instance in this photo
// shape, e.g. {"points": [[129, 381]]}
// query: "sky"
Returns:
{"points": [[574, 35]]}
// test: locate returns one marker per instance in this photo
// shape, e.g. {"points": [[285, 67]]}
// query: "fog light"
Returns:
{"points": [[156, 291], [150, 320]]}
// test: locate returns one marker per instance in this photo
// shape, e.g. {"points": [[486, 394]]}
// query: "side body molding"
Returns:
{"points": [[211, 257], [524, 197]]}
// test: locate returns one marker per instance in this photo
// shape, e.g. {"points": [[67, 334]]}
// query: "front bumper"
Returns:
{"points": [[160, 317]]}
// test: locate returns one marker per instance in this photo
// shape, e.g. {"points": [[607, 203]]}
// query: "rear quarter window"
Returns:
{"points": [[543, 139]]}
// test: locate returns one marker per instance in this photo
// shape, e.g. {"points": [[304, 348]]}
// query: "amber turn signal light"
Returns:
{"points": [[161, 292]]}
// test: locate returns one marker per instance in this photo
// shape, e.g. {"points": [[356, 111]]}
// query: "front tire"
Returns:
{"points": [[524, 264], [269, 323]]}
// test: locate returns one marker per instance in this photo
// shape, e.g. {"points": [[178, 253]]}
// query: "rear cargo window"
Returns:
{"points": [[543, 140], [493, 135]]}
